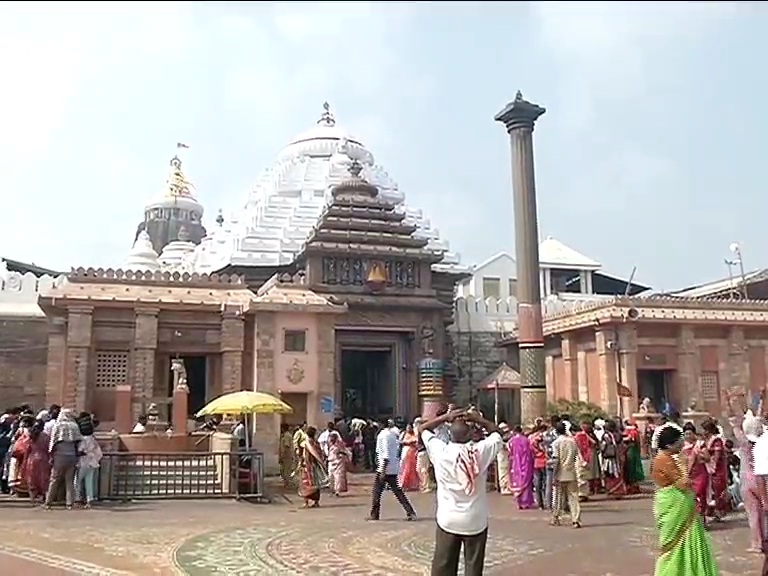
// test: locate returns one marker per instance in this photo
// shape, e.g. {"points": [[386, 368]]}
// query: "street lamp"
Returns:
{"points": [[735, 248]]}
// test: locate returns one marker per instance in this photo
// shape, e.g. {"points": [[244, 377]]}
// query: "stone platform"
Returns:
{"points": [[227, 538]]}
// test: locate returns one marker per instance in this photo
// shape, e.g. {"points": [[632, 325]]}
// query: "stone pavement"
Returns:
{"points": [[208, 538]]}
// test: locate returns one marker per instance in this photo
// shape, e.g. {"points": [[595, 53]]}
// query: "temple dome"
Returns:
{"points": [[142, 257], [178, 255], [287, 200], [178, 191]]}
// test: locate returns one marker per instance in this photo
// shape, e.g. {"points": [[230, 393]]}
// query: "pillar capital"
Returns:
{"points": [[519, 114]]}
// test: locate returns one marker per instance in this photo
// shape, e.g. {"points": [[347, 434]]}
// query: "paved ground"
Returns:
{"points": [[228, 538]]}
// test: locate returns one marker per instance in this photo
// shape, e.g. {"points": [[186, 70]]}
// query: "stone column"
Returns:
{"points": [[79, 340], [571, 367], [687, 372], [232, 345], [143, 361], [607, 369], [326, 359], [267, 428], [519, 118], [738, 364], [628, 368], [57, 361]]}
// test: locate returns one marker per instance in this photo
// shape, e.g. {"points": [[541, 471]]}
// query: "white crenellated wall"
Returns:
{"points": [[19, 293], [484, 315]]}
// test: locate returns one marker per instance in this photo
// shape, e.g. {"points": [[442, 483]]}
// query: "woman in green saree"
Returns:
{"points": [[685, 548]]}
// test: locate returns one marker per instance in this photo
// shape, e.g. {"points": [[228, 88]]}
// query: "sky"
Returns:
{"points": [[649, 154]]}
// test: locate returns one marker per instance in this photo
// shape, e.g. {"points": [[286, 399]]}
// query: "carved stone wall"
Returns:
{"points": [[267, 427], [23, 361]]}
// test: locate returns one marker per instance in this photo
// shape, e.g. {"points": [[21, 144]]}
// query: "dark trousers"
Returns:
{"points": [[382, 481], [540, 487], [445, 562]]}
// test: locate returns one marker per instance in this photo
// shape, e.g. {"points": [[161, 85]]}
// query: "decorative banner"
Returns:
{"points": [[755, 402]]}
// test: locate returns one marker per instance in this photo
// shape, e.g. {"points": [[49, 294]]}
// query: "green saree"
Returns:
{"points": [[685, 547]]}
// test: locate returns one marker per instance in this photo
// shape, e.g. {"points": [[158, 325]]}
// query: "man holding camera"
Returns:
{"points": [[461, 469]]}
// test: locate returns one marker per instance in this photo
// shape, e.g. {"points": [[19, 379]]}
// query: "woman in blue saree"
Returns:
{"points": [[685, 548]]}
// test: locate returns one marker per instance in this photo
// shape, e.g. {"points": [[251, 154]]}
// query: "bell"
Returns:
{"points": [[376, 274]]}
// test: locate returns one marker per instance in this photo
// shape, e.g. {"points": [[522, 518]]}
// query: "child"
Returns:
{"points": [[88, 462]]}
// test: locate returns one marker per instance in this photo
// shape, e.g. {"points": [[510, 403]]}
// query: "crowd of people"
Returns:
{"points": [[49, 456]]}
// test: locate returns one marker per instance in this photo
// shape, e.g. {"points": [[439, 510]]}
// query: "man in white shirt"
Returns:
{"points": [[325, 437], [760, 466], [387, 468], [461, 470]]}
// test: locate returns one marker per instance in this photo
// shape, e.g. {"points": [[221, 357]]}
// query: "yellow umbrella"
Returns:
{"points": [[246, 402]]}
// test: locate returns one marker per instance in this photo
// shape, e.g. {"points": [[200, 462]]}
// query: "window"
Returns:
{"points": [[710, 387], [492, 288], [111, 369], [513, 287], [295, 341]]}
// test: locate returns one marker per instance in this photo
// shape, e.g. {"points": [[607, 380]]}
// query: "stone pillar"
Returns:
{"points": [[628, 368], [687, 372], [232, 344], [267, 429], [79, 339], [326, 359], [570, 366], [143, 361], [180, 407], [124, 409], [738, 364], [57, 361], [519, 118], [607, 370]]}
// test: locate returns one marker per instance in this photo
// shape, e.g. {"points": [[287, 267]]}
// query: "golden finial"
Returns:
{"points": [[327, 118]]}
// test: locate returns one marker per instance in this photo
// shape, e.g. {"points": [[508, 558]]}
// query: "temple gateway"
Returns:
{"points": [[326, 289]]}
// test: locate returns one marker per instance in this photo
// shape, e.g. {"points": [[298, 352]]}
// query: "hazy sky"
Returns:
{"points": [[651, 152]]}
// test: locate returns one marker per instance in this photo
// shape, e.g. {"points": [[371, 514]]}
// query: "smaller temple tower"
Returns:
{"points": [[175, 209]]}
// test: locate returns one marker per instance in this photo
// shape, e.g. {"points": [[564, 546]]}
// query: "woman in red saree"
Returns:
{"points": [[587, 446], [717, 467], [408, 476], [312, 473], [614, 453], [36, 468], [696, 455]]}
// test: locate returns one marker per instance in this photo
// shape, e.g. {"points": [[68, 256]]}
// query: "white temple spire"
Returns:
{"points": [[142, 257]]}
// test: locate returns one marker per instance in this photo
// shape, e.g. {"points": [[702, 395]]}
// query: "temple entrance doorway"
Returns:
{"points": [[368, 385], [654, 384], [197, 382]]}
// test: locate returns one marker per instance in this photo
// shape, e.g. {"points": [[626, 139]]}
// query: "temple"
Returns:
{"points": [[326, 289]]}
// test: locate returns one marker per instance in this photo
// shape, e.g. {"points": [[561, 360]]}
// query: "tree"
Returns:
{"points": [[579, 411]]}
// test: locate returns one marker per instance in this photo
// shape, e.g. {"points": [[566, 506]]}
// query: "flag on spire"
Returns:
{"points": [[180, 145]]}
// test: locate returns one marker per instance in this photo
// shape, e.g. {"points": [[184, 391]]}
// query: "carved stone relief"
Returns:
{"points": [[295, 373], [353, 272]]}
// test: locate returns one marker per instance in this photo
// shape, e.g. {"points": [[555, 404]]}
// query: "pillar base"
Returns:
{"points": [[430, 406], [533, 404]]}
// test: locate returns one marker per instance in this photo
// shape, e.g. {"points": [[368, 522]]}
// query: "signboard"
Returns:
{"points": [[326, 405]]}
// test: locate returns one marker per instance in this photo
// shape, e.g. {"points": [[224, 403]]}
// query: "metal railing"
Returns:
{"points": [[176, 475]]}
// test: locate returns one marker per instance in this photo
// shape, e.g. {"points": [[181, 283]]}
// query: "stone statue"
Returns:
{"points": [[179, 374], [153, 413], [427, 339], [646, 406]]}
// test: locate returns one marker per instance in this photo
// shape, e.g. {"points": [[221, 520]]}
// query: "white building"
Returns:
{"points": [[487, 302]]}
